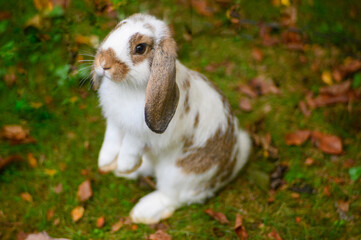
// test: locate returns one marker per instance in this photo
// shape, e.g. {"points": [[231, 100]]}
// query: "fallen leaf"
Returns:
{"points": [[134, 227], [327, 77], [343, 205], [239, 228], [349, 67], [84, 191], [100, 222], [264, 85], [6, 161], [77, 213], [42, 5], [327, 143], [304, 109], [32, 160], [274, 235], [50, 214], [297, 138], [42, 236], [309, 161], [160, 235], [50, 172], [14, 132], [220, 217], [326, 191], [289, 16], [91, 40], [257, 54], [295, 195], [117, 226], [245, 105], [203, 8], [26, 196], [298, 219], [247, 90], [56, 222], [265, 34], [336, 89], [58, 188]]}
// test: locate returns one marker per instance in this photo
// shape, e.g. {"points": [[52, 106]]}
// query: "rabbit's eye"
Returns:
{"points": [[140, 48]]}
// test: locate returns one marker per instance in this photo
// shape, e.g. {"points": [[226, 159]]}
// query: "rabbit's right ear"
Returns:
{"points": [[162, 91]]}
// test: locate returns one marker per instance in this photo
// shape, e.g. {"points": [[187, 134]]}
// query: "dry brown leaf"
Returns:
{"points": [[100, 222], [257, 54], [326, 191], [42, 5], [337, 89], [14, 132], [203, 7], [6, 161], [304, 109], [327, 143], [343, 205], [351, 66], [309, 161], [58, 188], [247, 90], [264, 85], [289, 16], [84, 191], [117, 226], [245, 105], [265, 35], [160, 235], [297, 138], [274, 235], [77, 213], [50, 214], [42, 236], [26, 196], [239, 228], [220, 217], [32, 160]]}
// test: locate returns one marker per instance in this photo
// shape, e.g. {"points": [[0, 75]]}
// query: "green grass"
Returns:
{"points": [[69, 128]]}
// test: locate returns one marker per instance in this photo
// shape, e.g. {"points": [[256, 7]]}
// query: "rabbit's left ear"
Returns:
{"points": [[162, 95]]}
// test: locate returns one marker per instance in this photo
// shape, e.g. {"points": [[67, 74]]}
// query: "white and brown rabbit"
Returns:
{"points": [[163, 120]]}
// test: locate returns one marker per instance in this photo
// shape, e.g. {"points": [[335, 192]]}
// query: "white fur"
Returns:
{"points": [[128, 138]]}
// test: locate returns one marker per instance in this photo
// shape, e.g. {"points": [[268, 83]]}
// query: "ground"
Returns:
{"points": [[286, 191]]}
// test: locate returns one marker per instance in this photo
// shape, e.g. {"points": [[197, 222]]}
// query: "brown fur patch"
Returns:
{"points": [[149, 27], [186, 85], [186, 103], [108, 61], [138, 39], [196, 120]]}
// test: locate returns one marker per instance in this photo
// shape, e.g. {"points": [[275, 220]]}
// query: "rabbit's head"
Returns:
{"points": [[140, 51]]}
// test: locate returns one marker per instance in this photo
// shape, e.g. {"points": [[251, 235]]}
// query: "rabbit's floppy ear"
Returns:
{"points": [[162, 95]]}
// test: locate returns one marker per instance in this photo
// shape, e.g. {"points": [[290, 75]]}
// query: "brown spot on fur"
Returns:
{"points": [[186, 85], [218, 150], [136, 39], [107, 60], [196, 120], [149, 27], [186, 103]]}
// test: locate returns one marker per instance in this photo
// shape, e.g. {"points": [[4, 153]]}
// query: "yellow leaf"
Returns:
{"points": [[327, 77], [36, 105], [73, 99], [34, 21], [42, 5], [77, 213], [50, 172], [32, 160], [285, 2], [26, 196]]}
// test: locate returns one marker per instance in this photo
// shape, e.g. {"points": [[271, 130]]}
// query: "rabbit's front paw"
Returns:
{"points": [[127, 164], [153, 208], [107, 159]]}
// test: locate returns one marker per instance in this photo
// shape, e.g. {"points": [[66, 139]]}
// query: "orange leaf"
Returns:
{"points": [[26, 196], [84, 191], [50, 214], [327, 143], [160, 235], [297, 138], [32, 160], [100, 222], [220, 217], [118, 225], [41, 5], [77, 213], [239, 228], [274, 235]]}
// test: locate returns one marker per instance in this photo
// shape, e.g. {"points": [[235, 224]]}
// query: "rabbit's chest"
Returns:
{"points": [[124, 107]]}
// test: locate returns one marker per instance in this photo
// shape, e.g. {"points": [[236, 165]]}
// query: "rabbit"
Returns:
{"points": [[163, 120]]}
